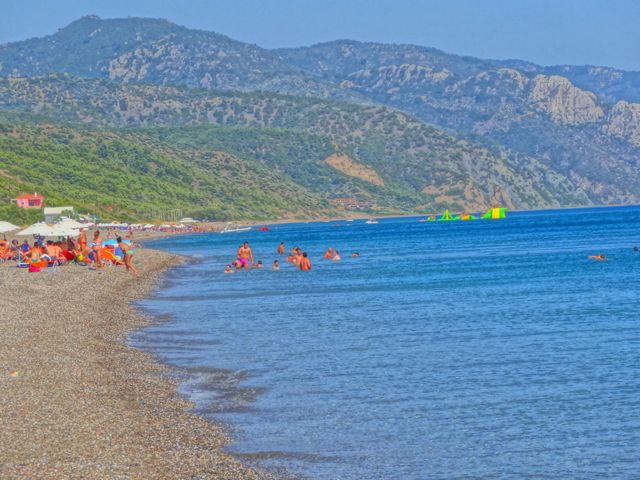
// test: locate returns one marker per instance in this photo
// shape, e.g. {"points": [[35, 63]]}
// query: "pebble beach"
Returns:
{"points": [[76, 401]]}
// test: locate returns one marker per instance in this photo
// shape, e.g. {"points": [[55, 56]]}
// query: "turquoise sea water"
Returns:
{"points": [[487, 349]]}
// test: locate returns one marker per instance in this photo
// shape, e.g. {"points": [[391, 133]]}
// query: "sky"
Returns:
{"points": [[547, 32]]}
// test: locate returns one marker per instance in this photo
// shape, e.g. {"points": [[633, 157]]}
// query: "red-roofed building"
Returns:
{"points": [[32, 200]]}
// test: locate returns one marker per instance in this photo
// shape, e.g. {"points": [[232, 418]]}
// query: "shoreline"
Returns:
{"points": [[77, 401]]}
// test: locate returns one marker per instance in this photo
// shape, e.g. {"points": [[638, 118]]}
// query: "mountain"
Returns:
{"points": [[529, 110], [409, 127], [415, 166], [142, 50]]}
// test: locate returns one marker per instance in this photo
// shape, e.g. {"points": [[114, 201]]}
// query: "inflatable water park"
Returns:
{"points": [[494, 213]]}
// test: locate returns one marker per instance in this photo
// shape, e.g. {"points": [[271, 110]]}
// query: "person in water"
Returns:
{"points": [[305, 263], [336, 256], [636, 249], [276, 266], [600, 257], [355, 254], [258, 265], [228, 269], [328, 254], [295, 255], [127, 251], [245, 256], [281, 248]]}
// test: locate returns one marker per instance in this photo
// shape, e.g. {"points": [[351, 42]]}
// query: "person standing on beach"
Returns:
{"points": [[304, 263], [127, 251], [96, 246], [245, 256], [281, 248]]}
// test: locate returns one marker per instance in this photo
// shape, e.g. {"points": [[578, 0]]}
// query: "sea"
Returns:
{"points": [[475, 349]]}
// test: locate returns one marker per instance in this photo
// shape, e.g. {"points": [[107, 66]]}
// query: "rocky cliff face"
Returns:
{"points": [[564, 102], [624, 122]]}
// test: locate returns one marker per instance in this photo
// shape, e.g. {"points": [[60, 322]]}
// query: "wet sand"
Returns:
{"points": [[76, 401]]}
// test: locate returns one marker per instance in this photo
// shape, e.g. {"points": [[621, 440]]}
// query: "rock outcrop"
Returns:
{"points": [[563, 101], [624, 122]]}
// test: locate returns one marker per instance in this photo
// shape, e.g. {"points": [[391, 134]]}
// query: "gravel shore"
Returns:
{"points": [[76, 401]]}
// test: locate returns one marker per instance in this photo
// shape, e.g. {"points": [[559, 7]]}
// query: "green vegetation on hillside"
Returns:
{"points": [[126, 176]]}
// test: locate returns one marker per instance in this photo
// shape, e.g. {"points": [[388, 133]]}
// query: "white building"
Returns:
{"points": [[52, 214]]}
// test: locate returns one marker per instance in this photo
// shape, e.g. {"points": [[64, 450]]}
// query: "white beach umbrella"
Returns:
{"points": [[64, 231], [7, 227], [41, 229], [69, 223]]}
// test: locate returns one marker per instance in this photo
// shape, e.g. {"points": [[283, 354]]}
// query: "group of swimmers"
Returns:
{"points": [[245, 261]]}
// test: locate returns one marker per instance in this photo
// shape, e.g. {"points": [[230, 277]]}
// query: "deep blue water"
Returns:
{"points": [[487, 349]]}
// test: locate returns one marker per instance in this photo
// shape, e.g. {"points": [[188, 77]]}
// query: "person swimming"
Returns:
{"points": [[258, 265], [228, 269], [636, 249], [276, 266], [336, 256], [600, 257], [328, 254], [305, 263], [355, 254]]}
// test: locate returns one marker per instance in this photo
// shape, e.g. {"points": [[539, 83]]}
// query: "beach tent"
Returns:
{"points": [[494, 213], [7, 227]]}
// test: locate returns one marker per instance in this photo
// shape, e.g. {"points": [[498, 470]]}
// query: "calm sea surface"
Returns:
{"points": [[487, 349]]}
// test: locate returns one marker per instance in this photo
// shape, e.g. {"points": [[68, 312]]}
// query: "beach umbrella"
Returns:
{"points": [[64, 231], [70, 223], [38, 229], [7, 227]]}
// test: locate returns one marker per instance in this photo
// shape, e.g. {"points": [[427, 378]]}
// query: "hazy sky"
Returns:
{"points": [[548, 32]]}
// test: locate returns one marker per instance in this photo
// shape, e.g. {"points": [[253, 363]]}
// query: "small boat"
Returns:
{"points": [[264, 229], [230, 229], [371, 221]]}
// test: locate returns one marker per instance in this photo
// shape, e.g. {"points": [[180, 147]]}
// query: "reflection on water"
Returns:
{"points": [[468, 349]]}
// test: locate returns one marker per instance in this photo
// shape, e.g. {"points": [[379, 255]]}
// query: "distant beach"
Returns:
{"points": [[76, 401]]}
